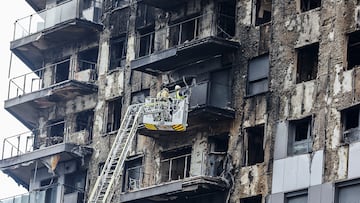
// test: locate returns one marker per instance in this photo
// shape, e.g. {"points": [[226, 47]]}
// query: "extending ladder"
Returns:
{"points": [[112, 170]]}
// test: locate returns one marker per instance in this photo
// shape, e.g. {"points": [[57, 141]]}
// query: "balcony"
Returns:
{"points": [[57, 193], [20, 153], [66, 23], [183, 39], [164, 4], [44, 87], [179, 177], [210, 101]]}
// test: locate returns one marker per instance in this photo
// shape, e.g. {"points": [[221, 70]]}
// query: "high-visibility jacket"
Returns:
{"points": [[179, 95]]}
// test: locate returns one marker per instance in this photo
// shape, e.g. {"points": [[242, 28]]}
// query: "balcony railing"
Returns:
{"points": [[72, 9], [50, 75], [43, 137], [57, 193], [171, 169], [186, 31]]}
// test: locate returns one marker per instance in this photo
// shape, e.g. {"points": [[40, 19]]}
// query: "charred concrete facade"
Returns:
{"points": [[273, 111]]}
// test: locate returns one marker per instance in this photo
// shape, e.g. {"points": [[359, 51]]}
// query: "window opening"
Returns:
{"points": [[307, 5], [139, 97], [226, 19], [307, 63], [146, 41], [218, 149], [133, 173], [184, 31], [50, 187], [258, 73], [300, 139], [84, 121], [114, 115], [255, 145], [254, 199], [350, 124], [75, 182], [175, 164], [62, 71], [56, 132], [88, 59], [263, 11], [353, 50], [118, 53]]}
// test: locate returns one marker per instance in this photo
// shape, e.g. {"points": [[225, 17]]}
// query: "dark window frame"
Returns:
{"points": [[350, 124], [308, 5], [254, 156], [307, 62], [296, 194], [117, 56], [113, 119], [296, 143]]}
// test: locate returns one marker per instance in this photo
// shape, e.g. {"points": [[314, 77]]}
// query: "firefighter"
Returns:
{"points": [[178, 93], [163, 95]]}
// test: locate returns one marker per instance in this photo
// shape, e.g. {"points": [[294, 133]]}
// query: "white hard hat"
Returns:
{"points": [[177, 87]]}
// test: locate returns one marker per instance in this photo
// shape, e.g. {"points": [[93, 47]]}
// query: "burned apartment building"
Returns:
{"points": [[272, 114]]}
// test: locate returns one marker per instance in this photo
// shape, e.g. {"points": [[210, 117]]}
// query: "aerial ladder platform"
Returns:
{"points": [[154, 114]]}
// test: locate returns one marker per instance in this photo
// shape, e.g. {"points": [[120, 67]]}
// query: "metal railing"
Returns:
{"points": [[63, 12], [54, 193], [186, 31], [25, 142], [49, 75], [170, 169]]}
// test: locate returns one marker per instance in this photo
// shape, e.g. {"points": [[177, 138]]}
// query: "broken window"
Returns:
{"points": [[75, 182], [254, 199], [348, 192], [258, 73], [262, 11], [307, 62], [350, 124], [88, 59], [184, 31], [175, 164], [114, 115], [118, 53], [133, 174], [300, 139], [145, 16], [56, 132], [61, 71], [50, 188], [84, 120], [146, 41], [139, 97], [306, 5], [226, 19], [254, 145], [297, 197], [353, 50], [218, 149]]}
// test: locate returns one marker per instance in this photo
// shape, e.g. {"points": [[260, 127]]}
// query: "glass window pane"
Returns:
{"points": [[349, 194], [258, 68]]}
